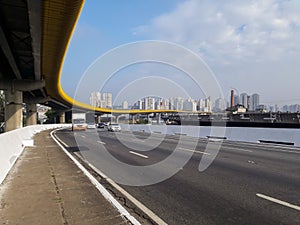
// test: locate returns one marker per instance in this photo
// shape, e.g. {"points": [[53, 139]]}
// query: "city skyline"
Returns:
{"points": [[250, 45], [105, 100]]}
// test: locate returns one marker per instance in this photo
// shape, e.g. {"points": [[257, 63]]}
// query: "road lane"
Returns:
{"points": [[223, 194]]}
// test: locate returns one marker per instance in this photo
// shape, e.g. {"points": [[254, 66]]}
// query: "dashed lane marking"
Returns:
{"points": [[190, 150], [280, 202], [138, 154]]}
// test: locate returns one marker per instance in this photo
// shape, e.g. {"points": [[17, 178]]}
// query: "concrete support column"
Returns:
{"points": [[31, 116], [133, 116], [148, 119], [13, 110], [62, 117], [158, 118], [99, 119]]}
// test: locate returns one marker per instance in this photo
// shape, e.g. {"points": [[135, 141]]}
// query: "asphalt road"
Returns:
{"points": [[245, 184]]}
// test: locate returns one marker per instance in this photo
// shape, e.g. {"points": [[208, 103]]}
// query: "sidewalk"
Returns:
{"points": [[46, 187]]}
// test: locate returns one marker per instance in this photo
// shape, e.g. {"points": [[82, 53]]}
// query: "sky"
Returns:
{"points": [[249, 46]]}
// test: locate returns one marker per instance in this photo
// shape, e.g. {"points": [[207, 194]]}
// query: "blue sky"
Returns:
{"points": [[252, 46]]}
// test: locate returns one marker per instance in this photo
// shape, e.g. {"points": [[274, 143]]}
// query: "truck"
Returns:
{"points": [[79, 121]]}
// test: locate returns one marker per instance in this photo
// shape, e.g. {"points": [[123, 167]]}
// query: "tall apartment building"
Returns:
{"points": [[190, 105], [95, 99], [244, 100], [205, 105], [254, 102], [236, 100], [162, 104], [107, 100], [178, 103], [220, 105], [151, 103], [125, 105]]}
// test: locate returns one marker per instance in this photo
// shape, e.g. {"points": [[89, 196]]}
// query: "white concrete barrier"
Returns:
{"points": [[245, 134], [12, 144]]}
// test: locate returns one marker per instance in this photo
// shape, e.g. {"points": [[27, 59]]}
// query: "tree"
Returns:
{"points": [[52, 116]]}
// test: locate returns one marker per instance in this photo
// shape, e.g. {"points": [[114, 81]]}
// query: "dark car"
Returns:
{"points": [[101, 125]]}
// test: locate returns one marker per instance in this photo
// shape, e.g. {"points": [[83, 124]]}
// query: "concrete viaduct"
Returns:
{"points": [[34, 36]]}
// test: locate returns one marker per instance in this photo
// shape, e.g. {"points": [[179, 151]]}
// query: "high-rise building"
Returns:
{"points": [[205, 105], [165, 104], [178, 103], [125, 105], [107, 100], [254, 102], [244, 100], [151, 103], [236, 100], [285, 108], [220, 105], [162, 103], [171, 103], [148, 103], [95, 99], [140, 104], [190, 105]]}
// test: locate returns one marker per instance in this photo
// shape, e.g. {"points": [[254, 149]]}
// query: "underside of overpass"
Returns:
{"points": [[34, 36]]}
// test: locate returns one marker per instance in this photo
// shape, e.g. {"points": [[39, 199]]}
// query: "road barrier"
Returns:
{"points": [[12, 144], [244, 134]]}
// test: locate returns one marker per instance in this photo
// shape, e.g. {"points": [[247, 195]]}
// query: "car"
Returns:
{"points": [[91, 125], [114, 127], [101, 125]]}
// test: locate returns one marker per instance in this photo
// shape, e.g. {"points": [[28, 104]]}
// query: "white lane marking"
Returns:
{"points": [[278, 201], [101, 142], [190, 150], [142, 207], [138, 154], [100, 188], [83, 136]]}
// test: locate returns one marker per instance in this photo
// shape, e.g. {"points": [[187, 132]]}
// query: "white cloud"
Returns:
{"points": [[230, 34]]}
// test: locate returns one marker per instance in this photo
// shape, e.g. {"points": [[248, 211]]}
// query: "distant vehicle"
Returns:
{"points": [[78, 121], [101, 125], [114, 127], [91, 125]]}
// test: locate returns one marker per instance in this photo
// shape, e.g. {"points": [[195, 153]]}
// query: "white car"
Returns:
{"points": [[114, 127], [91, 125]]}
